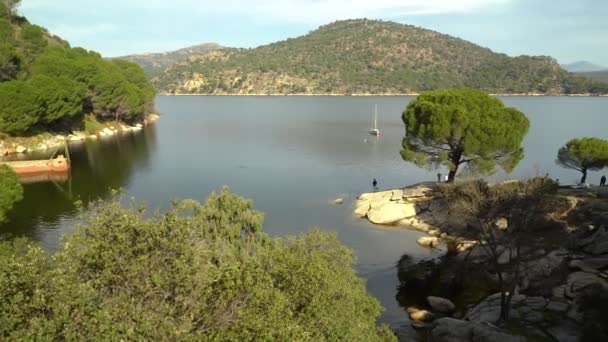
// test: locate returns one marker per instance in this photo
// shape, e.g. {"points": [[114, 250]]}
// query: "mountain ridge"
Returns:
{"points": [[583, 66], [363, 56], [156, 62]]}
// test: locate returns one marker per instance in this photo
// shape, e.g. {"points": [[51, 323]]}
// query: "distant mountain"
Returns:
{"points": [[598, 76], [369, 57], [155, 63], [583, 66]]}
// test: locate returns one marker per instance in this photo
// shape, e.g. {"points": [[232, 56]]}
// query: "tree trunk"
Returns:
{"points": [[455, 159], [452, 175], [584, 178]]}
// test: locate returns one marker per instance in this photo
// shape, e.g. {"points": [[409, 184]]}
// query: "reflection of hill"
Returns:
{"points": [[97, 167]]}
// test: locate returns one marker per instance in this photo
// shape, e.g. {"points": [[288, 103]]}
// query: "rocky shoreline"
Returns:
{"points": [[48, 141], [548, 303]]}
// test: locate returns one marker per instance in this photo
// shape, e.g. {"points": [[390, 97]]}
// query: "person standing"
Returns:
{"points": [[439, 178], [603, 181], [375, 184]]}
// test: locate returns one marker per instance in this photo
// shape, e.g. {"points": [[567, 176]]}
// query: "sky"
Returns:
{"points": [[568, 30]]}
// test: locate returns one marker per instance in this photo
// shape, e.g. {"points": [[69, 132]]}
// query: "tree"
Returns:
{"points": [[9, 7], [583, 155], [11, 190], [61, 98], [198, 272], [517, 204], [463, 127], [19, 107]]}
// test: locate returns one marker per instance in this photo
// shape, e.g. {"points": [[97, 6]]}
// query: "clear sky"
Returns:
{"points": [[568, 30]]}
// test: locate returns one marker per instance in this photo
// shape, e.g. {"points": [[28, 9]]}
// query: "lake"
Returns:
{"points": [[293, 156]]}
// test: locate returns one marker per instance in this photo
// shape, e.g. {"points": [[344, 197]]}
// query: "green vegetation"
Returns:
{"points": [[154, 64], [463, 127], [598, 76], [11, 190], [198, 272], [368, 56], [47, 86], [583, 155]]}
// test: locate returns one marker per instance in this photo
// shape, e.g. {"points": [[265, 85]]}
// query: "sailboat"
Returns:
{"points": [[375, 130]]}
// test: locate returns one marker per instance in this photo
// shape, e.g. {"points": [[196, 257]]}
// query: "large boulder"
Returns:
{"points": [[391, 212], [489, 309], [441, 305], [579, 281], [454, 330], [20, 149]]}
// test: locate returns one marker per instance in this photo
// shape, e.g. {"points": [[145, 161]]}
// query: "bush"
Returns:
{"points": [[198, 272], [11, 190]]}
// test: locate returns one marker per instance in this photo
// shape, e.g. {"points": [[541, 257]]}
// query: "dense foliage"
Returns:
{"points": [[367, 56], [46, 85], [11, 190], [198, 272], [583, 155], [457, 127]]}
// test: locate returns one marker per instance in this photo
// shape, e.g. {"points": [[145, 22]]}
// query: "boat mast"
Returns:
{"points": [[376, 118]]}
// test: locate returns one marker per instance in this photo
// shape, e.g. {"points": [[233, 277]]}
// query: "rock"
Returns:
{"points": [[565, 331], [578, 281], [339, 201], [420, 315], [434, 232], [362, 208], [20, 149], [107, 131], [42, 147], [599, 234], [538, 270], [590, 265], [598, 247], [507, 256], [430, 242], [502, 224], [442, 305], [489, 309], [419, 325], [454, 330], [536, 303], [391, 212], [533, 317], [559, 291], [140, 126], [558, 306]]}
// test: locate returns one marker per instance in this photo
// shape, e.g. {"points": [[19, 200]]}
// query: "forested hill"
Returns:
{"points": [[369, 57], [155, 63], [45, 85]]}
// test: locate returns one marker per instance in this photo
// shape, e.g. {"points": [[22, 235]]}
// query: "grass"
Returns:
{"points": [[92, 126]]}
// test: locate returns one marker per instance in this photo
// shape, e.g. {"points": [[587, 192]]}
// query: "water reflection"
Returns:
{"points": [[97, 167]]}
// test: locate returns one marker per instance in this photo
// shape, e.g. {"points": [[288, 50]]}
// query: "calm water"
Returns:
{"points": [[292, 155]]}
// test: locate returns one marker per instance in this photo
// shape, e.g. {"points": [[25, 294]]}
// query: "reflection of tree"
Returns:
{"points": [[444, 277], [97, 167]]}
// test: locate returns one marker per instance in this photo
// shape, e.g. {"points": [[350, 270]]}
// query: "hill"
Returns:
{"points": [[598, 76], [583, 66], [155, 63], [368, 57], [46, 85]]}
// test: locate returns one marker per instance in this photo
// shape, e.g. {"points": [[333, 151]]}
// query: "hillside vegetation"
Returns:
{"points": [[598, 76], [368, 56], [154, 64], [45, 85]]}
